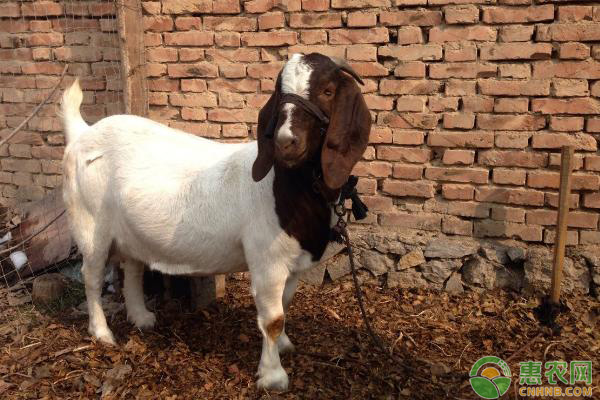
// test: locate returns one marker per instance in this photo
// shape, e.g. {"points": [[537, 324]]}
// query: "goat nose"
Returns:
{"points": [[284, 142]]}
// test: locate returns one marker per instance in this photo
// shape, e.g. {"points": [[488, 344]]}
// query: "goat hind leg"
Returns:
{"points": [[93, 276], [133, 291]]}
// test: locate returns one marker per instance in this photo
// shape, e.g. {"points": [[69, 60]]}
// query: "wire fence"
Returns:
{"points": [[43, 46]]}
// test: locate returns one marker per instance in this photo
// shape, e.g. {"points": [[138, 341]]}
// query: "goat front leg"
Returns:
{"points": [[268, 286], [133, 290], [284, 343]]}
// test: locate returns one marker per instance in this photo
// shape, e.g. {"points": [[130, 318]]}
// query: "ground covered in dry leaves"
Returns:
{"points": [[214, 354]]}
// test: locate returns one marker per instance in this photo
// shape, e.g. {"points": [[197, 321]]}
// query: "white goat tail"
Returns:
{"points": [[72, 121]]}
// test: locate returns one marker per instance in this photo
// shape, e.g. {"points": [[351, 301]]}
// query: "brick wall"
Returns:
{"points": [[471, 101], [37, 38]]}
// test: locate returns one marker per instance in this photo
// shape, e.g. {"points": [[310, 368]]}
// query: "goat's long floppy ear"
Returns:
{"points": [[267, 122], [348, 134]]}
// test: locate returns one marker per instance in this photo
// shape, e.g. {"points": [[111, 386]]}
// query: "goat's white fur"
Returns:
{"points": [[295, 78], [180, 204]]}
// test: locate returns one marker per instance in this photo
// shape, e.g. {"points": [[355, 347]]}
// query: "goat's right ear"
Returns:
{"points": [[267, 122]]}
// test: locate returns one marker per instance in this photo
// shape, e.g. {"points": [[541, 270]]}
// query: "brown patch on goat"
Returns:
{"points": [[275, 328]]}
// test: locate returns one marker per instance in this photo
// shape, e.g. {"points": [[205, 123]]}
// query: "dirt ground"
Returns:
{"points": [[213, 354]]}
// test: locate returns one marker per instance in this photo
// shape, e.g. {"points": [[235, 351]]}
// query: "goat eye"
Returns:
{"points": [[328, 92]]}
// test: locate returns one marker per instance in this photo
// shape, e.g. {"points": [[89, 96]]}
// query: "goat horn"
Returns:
{"points": [[344, 66]]}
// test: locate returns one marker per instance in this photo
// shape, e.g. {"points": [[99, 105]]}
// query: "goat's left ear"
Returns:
{"points": [[348, 134], [267, 122]]}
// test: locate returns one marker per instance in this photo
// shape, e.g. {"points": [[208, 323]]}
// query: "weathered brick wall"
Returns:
{"points": [[37, 38], [472, 99]]}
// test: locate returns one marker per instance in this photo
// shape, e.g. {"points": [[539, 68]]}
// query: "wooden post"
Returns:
{"points": [[133, 60], [566, 166]]}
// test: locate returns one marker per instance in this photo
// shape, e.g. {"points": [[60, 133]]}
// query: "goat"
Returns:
{"points": [[149, 194]]}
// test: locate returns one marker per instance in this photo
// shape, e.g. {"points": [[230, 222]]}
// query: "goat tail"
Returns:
{"points": [[72, 121]]}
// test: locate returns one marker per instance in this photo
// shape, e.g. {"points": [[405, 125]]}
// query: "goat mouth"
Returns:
{"points": [[292, 160]]}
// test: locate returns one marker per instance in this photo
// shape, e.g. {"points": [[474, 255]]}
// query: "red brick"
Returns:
{"points": [[567, 69], [511, 122], [353, 36], [569, 87], [456, 226], [271, 20], [468, 209], [591, 200], [573, 50], [509, 214], [577, 219], [566, 106], [509, 15], [460, 120], [581, 141], [186, 7], [416, 17], [362, 19], [508, 230], [403, 137], [231, 6], [305, 20], [269, 38], [411, 155], [463, 175], [462, 157], [427, 222], [410, 35], [589, 237], [566, 124], [41, 9], [554, 161], [410, 69], [462, 14], [205, 99], [504, 176], [316, 37], [10, 10], [458, 51], [359, 3], [457, 87], [376, 169], [441, 104], [189, 38], [375, 102], [163, 85], [457, 34], [511, 105], [364, 186], [412, 52], [592, 163], [575, 32], [572, 237], [50, 39], [188, 23], [380, 134], [516, 33], [201, 69], [595, 89], [462, 139], [270, 70], [516, 51], [501, 158], [552, 180], [408, 86], [526, 197], [238, 24], [227, 39], [408, 188], [552, 200], [575, 13], [514, 70], [330, 51], [315, 5], [362, 52], [407, 171], [158, 23], [461, 70], [161, 54], [366, 69], [457, 192], [496, 87], [593, 125]]}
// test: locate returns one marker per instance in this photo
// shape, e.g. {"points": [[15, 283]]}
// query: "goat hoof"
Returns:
{"points": [[274, 380], [103, 335], [285, 345], [143, 320]]}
